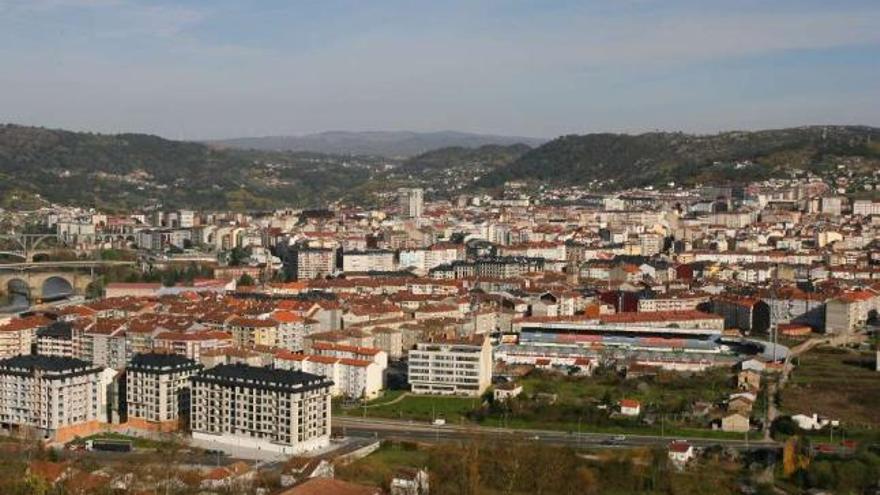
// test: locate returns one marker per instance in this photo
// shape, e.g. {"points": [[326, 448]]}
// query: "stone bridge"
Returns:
{"points": [[39, 285]]}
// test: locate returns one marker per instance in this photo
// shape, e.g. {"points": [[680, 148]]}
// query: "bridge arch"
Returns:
{"points": [[17, 293], [56, 286]]}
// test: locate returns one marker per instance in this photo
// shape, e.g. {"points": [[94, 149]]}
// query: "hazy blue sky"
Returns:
{"points": [[221, 68]]}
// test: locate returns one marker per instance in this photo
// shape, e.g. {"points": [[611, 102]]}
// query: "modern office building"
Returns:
{"points": [[451, 367], [281, 411]]}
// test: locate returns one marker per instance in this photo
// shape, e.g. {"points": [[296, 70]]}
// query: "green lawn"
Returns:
{"points": [[420, 408], [667, 392]]}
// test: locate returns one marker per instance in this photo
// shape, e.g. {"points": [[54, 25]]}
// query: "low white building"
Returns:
{"points": [[506, 391], [630, 407], [813, 422], [681, 452], [368, 261], [353, 378]]}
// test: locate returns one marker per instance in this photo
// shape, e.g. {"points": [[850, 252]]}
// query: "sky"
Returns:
{"points": [[202, 69]]}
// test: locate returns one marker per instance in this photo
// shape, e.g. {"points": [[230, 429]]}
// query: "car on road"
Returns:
{"points": [[619, 438], [534, 437]]}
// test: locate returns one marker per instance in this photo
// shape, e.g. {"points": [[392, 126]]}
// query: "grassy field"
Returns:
{"points": [[667, 392], [837, 383], [378, 468], [419, 408]]}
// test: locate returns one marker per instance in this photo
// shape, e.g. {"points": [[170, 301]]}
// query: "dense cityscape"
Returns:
{"points": [[722, 331], [482, 247]]}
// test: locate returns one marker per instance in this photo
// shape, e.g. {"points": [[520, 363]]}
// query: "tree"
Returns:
{"points": [[246, 280]]}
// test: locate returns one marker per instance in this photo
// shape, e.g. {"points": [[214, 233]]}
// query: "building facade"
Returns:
{"points": [[281, 411], [60, 397], [158, 390], [451, 367], [411, 202]]}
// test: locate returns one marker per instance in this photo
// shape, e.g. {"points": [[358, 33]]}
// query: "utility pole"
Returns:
{"points": [[579, 431]]}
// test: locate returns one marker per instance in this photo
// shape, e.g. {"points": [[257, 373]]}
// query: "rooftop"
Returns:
{"points": [[31, 363], [263, 376], [156, 360]]}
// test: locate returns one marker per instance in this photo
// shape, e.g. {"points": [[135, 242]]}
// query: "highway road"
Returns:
{"points": [[424, 432]]}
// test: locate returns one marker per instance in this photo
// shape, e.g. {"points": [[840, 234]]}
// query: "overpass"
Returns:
{"points": [[39, 280], [26, 246]]}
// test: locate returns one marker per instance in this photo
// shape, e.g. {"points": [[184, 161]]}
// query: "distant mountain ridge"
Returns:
{"points": [[123, 171], [400, 144]]}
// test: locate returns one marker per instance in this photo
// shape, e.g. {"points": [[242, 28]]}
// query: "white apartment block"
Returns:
{"points": [[314, 263], [866, 207], [276, 410], [451, 367], [58, 396], [367, 261], [19, 334], [192, 344], [101, 346], [157, 390], [671, 303], [411, 202], [371, 354], [352, 378]]}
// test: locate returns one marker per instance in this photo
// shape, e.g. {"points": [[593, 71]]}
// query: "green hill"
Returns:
{"points": [[122, 171], [660, 157]]}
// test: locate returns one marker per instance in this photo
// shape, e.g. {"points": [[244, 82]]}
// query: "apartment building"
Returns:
{"points": [[103, 343], [157, 392], [866, 207], [56, 339], [276, 410], [248, 332], [411, 201], [312, 263], [371, 354], [687, 302], [850, 311], [192, 344], [451, 367], [744, 313], [60, 397], [368, 261], [353, 378], [390, 341], [18, 335]]}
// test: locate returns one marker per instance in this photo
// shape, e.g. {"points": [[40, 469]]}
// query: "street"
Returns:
{"points": [[423, 432]]}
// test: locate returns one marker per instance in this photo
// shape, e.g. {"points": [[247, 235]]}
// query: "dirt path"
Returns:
{"points": [[392, 401]]}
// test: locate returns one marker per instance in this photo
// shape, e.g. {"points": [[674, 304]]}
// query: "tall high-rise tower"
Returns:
{"points": [[411, 201]]}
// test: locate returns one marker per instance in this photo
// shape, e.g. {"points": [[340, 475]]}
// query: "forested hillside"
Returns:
{"points": [[656, 158]]}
